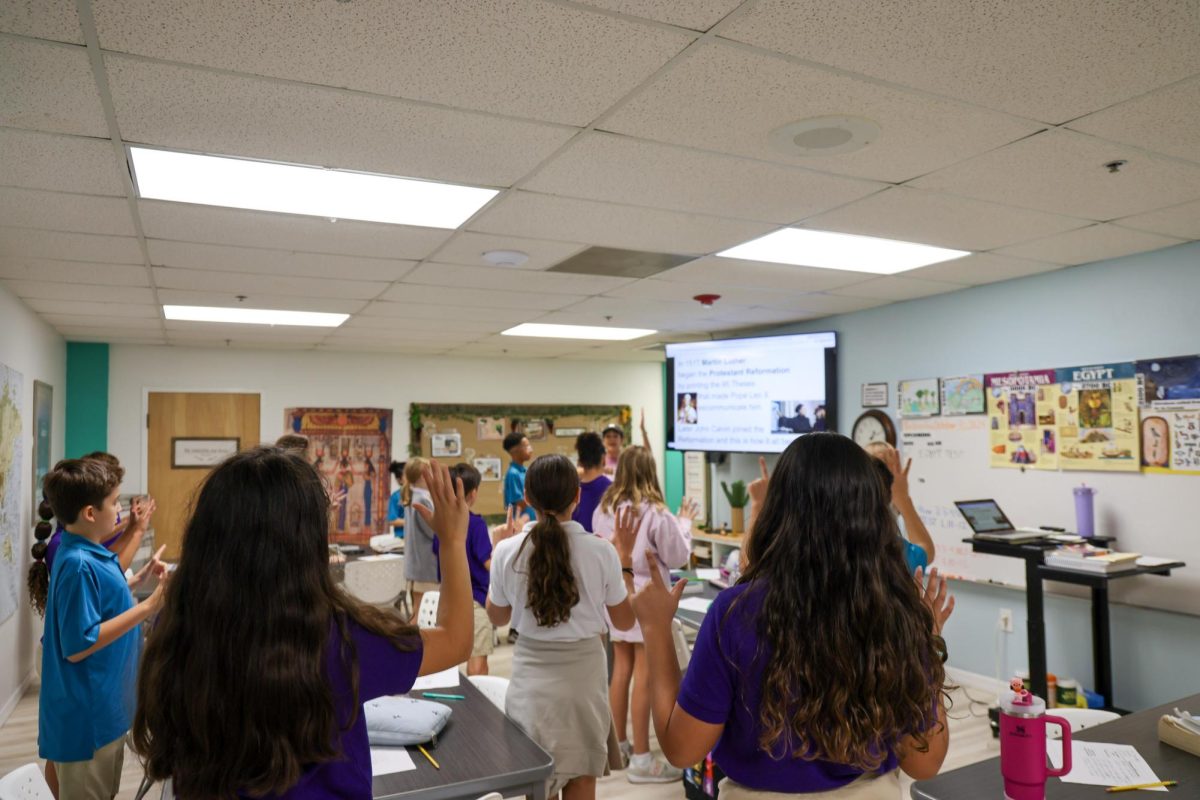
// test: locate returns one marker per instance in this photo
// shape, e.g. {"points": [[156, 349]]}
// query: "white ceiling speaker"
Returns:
{"points": [[505, 258], [824, 136]]}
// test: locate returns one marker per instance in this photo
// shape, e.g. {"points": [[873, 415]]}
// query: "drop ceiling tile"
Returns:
{"points": [[221, 298], [729, 99], [30, 243], [792, 310], [467, 248], [190, 255], [1096, 243], [120, 325], [520, 57], [823, 304], [618, 169], [523, 345], [944, 220], [207, 331], [42, 19], [105, 333], [38, 269], [657, 315], [191, 109], [75, 291], [1164, 121], [477, 298], [980, 268], [400, 325], [1181, 221], [891, 287], [253, 285], [713, 272], [87, 308], [398, 349], [59, 163], [444, 313], [544, 216], [236, 343], [1063, 172], [513, 280], [49, 87], [113, 339], [696, 15], [1052, 60], [614, 355], [654, 289], [427, 338], [81, 213], [234, 226]]}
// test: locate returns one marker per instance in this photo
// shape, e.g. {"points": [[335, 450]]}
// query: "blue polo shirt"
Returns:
{"points": [[514, 487], [396, 511], [86, 705]]}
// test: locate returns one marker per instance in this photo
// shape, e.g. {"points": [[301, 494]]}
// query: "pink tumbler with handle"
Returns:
{"points": [[1023, 760]]}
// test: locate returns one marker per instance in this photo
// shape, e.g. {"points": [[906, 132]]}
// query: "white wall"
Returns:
{"points": [[38, 352], [289, 379]]}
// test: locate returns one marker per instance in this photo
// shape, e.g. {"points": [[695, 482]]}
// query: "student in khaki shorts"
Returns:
{"points": [[479, 560]]}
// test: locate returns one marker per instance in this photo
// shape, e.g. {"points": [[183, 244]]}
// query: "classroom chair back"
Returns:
{"points": [[378, 583], [25, 783]]}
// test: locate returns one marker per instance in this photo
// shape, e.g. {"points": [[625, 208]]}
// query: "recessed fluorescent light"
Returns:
{"points": [[576, 332], [805, 248], [255, 316], [292, 189]]}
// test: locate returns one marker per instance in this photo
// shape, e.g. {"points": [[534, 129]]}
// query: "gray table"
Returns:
{"points": [[983, 780], [693, 619], [480, 751]]}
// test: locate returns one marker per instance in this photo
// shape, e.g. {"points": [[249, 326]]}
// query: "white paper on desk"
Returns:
{"points": [[438, 680], [695, 604], [382, 557], [1154, 561], [708, 574], [1100, 764], [386, 760]]}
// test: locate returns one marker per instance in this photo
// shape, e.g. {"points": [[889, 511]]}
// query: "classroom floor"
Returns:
{"points": [[970, 741]]}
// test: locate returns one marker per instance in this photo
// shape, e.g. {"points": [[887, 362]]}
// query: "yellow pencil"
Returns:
{"points": [[1140, 786], [425, 753]]}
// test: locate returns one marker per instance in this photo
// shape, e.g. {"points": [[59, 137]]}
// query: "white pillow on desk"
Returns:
{"points": [[403, 721]]}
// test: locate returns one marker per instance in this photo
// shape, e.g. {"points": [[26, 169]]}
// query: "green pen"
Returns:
{"points": [[436, 696]]}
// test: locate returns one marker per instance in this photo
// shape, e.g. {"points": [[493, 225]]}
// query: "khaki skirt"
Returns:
{"points": [[559, 697], [866, 787]]}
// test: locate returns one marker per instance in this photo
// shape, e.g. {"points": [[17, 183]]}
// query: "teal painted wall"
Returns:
{"points": [[87, 398], [672, 461]]}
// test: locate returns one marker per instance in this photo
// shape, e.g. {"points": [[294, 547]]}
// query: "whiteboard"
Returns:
{"points": [[1149, 514]]}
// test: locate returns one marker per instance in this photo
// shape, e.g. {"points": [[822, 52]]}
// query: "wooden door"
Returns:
{"points": [[189, 415]]}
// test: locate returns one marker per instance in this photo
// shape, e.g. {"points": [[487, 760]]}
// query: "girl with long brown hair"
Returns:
{"points": [[664, 542], [821, 671], [256, 670], [553, 583]]}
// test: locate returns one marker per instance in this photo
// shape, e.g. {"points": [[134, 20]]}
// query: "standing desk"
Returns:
{"points": [[1036, 571], [983, 780]]}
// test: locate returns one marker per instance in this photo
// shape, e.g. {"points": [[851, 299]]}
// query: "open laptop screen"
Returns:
{"points": [[984, 516]]}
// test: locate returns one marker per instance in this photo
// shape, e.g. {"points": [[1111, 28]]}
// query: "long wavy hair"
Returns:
{"points": [[636, 481], [551, 487], [232, 695], [849, 659]]}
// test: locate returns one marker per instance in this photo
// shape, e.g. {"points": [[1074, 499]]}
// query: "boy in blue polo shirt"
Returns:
{"points": [[521, 452], [92, 640]]}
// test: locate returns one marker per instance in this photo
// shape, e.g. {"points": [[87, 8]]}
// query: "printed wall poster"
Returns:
{"points": [[1169, 395], [962, 395], [1097, 418], [489, 468], [489, 429], [1022, 422], [446, 445], [12, 393], [919, 398], [351, 448]]}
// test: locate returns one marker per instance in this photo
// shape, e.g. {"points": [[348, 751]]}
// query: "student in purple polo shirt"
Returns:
{"points": [[255, 674], [592, 480], [821, 670]]}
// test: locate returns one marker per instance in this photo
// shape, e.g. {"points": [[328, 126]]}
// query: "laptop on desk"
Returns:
{"points": [[988, 522]]}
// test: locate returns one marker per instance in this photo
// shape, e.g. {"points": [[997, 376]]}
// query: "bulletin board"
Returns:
{"points": [[475, 434]]}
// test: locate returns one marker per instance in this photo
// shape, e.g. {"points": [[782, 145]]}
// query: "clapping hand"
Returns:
{"points": [[936, 596]]}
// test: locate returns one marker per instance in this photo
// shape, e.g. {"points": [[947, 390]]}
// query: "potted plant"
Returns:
{"points": [[738, 498]]}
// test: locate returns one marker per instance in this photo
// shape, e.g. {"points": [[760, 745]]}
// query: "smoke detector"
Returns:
{"points": [[824, 136], [505, 258], [707, 300]]}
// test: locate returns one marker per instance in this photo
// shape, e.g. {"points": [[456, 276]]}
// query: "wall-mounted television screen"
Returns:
{"points": [[751, 395]]}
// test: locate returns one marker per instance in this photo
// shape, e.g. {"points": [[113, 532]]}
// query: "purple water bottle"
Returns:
{"points": [[1085, 511]]}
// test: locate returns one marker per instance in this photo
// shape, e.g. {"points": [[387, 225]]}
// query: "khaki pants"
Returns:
{"points": [[867, 787], [98, 778]]}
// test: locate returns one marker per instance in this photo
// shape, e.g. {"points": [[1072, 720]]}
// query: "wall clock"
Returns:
{"points": [[873, 426]]}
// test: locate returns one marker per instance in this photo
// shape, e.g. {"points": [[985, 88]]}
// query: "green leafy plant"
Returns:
{"points": [[737, 495]]}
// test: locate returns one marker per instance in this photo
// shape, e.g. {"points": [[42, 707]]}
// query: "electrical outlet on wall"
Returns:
{"points": [[1006, 622]]}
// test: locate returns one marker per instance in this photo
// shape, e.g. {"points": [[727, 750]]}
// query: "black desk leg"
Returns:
{"points": [[1036, 623], [1102, 644]]}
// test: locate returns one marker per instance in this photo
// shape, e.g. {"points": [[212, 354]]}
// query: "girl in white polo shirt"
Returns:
{"points": [[553, 583]]}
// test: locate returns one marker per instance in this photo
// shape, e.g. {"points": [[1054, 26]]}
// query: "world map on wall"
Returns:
{"points": [[11, 393]]}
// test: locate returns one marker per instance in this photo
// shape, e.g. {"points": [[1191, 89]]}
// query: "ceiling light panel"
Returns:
{"points": [[546, 331], [840, 251], [254, 316]]}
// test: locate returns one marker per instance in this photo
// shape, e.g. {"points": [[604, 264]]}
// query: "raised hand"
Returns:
{"points": [[625, 533], [654, 604], [508, 529], [899, 475], [689, 509], [936, 596], [758, 486], [450, 511], [153, 567]]}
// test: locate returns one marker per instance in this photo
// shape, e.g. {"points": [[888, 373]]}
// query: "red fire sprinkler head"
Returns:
{"points": [[707, 300]]}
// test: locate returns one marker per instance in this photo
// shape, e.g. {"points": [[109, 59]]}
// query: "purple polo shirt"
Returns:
{"points": [[479, 553], [589, 498], [382, 670], [723, 686]]}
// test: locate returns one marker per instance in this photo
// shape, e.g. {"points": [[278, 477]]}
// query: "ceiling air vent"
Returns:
{"points": [[615, 263]]}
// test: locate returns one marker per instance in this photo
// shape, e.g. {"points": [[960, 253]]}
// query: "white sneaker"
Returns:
{"points": [[655, 771], [626, 752]]}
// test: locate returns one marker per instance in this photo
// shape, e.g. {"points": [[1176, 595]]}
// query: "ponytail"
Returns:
{"points": [[551, 589], [413, 471], [39, 574]]}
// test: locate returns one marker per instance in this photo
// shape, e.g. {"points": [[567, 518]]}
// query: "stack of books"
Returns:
{"points": [[1086, 558]]}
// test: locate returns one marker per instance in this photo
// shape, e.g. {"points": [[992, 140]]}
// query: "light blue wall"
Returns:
{"points": [[1135, 307]]}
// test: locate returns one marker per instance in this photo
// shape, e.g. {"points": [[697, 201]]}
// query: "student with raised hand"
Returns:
{"points": [[553, 583], [255, 674], [663, 542], [918, 544], [821, 670]]}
